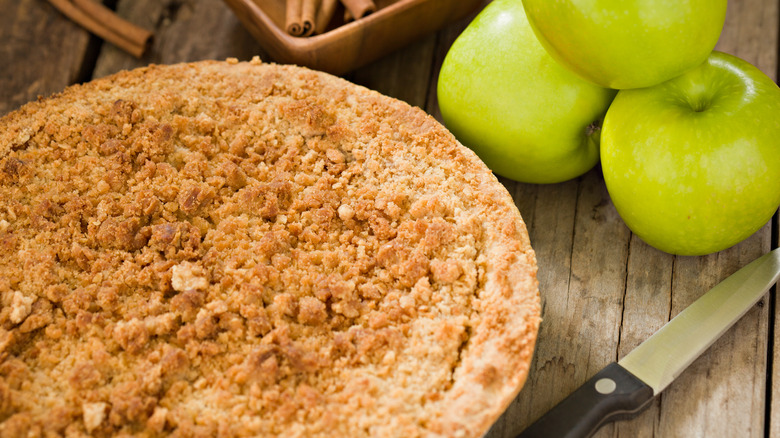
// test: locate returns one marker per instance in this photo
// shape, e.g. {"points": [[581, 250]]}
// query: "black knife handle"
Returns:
{"points": [[611, 394]]}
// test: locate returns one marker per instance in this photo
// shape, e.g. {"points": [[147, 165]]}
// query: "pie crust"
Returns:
{"points": [[248, 249]]}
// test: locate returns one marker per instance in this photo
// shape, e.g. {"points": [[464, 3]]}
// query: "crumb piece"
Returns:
{"points": [[21, 306], [188, 276], [311, 311], [94, 414], [346, 212], [156, 421]]}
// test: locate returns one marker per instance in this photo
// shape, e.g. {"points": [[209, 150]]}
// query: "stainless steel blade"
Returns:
{"points": [[662, 357]]}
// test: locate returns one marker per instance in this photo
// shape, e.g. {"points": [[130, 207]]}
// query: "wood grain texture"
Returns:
{"points": [[185, 30], [773, 370], [34, 35], [404, 74], [751, 33]]}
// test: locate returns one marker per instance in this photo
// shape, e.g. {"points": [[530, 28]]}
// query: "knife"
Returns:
{"points": [[624, 388]]}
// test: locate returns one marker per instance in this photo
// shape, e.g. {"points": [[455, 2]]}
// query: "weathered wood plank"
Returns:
{"points": [[404, 74], [185, 30], [774, 369], [34, 36], [723, 392], [590, 328], [755, 39], [646, 309], [751, 32], [550, 212]]}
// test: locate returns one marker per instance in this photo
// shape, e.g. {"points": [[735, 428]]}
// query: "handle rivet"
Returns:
{"points": [[606, 386]]}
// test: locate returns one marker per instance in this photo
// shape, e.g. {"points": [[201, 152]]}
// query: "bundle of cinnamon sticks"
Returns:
{"points": [[308, 17]]}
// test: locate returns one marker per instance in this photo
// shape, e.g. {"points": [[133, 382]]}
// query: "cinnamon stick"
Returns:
{"points": [[300, 17], [104, 23], [308, 16], [324, 15], [359, 8], [293, 17]]}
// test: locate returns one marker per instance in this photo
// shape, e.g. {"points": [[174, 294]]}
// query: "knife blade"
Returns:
{"points": [[622, 389]]}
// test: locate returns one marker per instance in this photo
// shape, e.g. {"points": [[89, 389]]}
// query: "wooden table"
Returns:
{"points": [[603, 289]]}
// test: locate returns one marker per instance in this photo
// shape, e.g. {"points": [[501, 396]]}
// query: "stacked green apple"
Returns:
{"points": [[688, 138]]}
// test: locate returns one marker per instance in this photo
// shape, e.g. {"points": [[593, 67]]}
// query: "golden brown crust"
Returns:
{"points": [[250, 249]]}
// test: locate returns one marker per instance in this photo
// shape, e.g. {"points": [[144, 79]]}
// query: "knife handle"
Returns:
{"points": [[611, 394]]}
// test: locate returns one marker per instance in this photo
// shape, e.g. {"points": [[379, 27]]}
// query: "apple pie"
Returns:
{"points": [[249, 249]]}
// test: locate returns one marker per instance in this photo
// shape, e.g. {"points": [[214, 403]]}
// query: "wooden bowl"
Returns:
{"points": [[346, 46]]}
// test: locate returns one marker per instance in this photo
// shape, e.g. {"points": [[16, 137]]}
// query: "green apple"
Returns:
{"points": [[693, 164], [502, 95], [628, 43]]}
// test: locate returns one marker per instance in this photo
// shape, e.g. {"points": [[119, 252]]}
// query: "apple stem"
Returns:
{"points": [[593, 128]]}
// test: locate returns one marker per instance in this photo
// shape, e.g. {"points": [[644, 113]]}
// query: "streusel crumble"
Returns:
{"points": [[247, 249]]}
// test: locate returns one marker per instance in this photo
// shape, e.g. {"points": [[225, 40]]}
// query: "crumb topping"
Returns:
{"points": [[242, 249]]}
